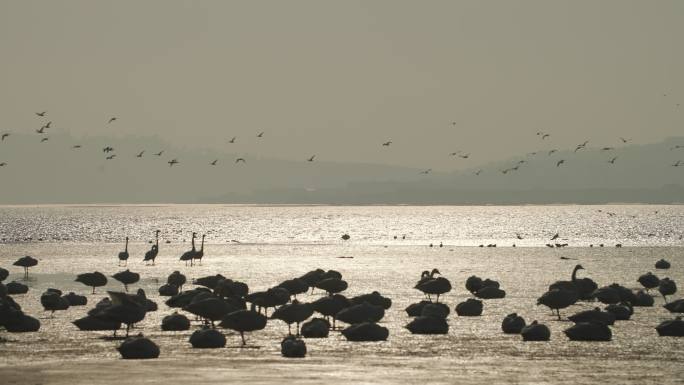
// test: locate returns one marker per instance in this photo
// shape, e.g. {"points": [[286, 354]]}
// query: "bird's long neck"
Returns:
{"points": [[156, 242], [202, 246], [126, 249], [193, 241], [574, 274]]}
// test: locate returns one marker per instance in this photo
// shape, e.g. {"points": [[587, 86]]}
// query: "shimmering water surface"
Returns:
{"points": [[278, 243]]}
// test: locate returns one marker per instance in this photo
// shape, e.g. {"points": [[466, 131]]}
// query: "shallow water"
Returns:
{"points": [[474, 351]]}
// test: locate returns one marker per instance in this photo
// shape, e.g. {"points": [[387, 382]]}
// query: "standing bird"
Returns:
{"points": [[188, 255], [200, 253], [26, 262], [151, 254], [244, 321], [428, 284], [123, 256], [127, 278], [558, 299], [111, 119], [562, 161], [95, 279]]}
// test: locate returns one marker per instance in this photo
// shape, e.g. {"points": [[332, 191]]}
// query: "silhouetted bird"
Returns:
{"points": [[140, 154], [607, 148], [172, 162], [76, 146], [214, 162], [41, 113], [386, 144], [677, 164], [624, 140], [555, 237], [232, 140], [478, 172], [5, 135], [426, 171], [552, 151], [545, 136], [44, 140], [3, 164], [108, 149], [111, 157], [159, 153], [560, 162], [240, 160], [111, 120], [464, 156], [612, 161], [312, 158], [42, 129], [261, 134]]}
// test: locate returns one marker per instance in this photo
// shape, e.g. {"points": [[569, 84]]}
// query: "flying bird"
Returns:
{"points": [[159, 153], [47, 125], [677, 147], [240, 160], [41, 113], [214, 162], [545, 136], [5, 135], [42, 129], [76, 146], [172, 162], [678, 163], [426, 171], [453, 123], [140, 154], [108, 149], [607, 148], [464, 156], [44, 140], [261, 134], [232, 140], [386, 144], [312, 158], [612, 161], [560, 162], [555, 237], [478, 172], [111, 157], [624, 140], [3, 164], [552, 151], [111, 119]]}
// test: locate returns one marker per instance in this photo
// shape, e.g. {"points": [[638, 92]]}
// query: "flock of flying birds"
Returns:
{"points": [[110, 151]]}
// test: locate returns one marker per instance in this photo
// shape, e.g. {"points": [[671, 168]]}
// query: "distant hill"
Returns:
{"points": [[54, 172]]}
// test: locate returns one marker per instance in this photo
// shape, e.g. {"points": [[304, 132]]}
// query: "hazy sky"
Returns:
{"points": [[338, 78]]}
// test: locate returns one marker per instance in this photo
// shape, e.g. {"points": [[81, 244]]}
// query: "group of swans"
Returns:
{"points": [[191, 255]]}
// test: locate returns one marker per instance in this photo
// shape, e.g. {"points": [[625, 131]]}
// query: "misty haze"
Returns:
{"points": [[318, 191]]}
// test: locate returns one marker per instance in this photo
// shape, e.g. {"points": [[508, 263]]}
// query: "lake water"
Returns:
{"points": [[275, 243]]}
